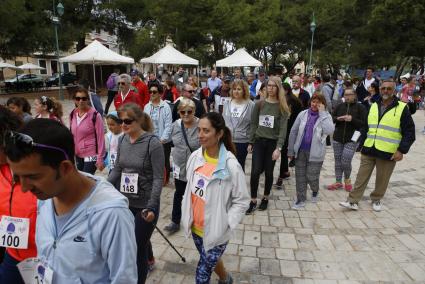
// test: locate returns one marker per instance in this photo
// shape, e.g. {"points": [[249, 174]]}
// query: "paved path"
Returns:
{"points": [[323, 243]]}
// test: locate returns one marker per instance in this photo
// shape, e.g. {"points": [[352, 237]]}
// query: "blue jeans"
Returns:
{"points": [[207, 261], [9, 272]]}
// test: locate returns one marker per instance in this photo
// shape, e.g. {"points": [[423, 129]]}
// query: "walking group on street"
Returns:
{"points": [[60, 223]]}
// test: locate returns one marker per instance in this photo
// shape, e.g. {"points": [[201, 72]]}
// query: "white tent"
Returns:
{"points": [[239, 58], [169, 55], [7, 65], [97, 54], [30, 66]]}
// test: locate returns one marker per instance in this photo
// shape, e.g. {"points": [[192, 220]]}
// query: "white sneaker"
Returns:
{"points": [[352, 206], [376, 206], [314, 199], [298, 205]]}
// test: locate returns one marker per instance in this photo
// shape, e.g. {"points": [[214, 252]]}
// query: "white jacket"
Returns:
{"points": [[226, 198]]}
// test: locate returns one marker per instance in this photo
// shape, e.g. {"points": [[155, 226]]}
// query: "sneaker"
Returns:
{"points": [[252, 208], [376, 206], [172, 228], [298, 205], [263, 204], [286, 175], [349, 205], [151, 264], [335, 186], [292, 163], [347, 185], [229, 279], [278, 183]]}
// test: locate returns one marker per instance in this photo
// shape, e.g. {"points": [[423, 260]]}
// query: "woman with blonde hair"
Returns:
{"points": [[268, 132], [139, 174], [237, 115]]}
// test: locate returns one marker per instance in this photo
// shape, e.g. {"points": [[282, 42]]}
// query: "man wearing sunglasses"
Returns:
{"points": [[84, 231], [189, 92], [125, 93], [390, 133]]}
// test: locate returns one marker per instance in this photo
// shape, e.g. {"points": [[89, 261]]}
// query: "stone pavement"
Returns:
{"points": [[323, 243]]}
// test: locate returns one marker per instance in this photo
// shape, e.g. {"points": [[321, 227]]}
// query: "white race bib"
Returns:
{"points": [[33, 271], [14, 232], [236, 111], [113, 159], [90, 159], [223, 100], [129, 183], [200, 185], [267, 121], [176, 171]]}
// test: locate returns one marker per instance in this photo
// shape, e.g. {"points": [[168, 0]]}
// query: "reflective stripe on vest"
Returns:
{"points": [[385, 134]]}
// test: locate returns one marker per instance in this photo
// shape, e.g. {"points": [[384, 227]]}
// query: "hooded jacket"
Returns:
{"points": [[165, 120], [146, 157], [96, 245], [226, 198], [240, 127], [344, 130]]}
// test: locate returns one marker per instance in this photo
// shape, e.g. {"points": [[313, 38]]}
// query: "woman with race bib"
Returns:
{"points": [[139, 174], [86, 125], [237, 115], [185, 140], [268, 131], [216, 197]]}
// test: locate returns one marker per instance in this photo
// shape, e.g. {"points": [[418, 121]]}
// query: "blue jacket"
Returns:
{"points": [[252, 90], [96, 245], [165, 123]]}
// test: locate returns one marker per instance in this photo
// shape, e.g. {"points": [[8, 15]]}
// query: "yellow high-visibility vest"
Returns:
{"points": [[384, 134]]}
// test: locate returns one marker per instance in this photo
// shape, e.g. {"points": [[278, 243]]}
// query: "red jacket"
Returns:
{"points": [[143, 91], [131, 97], [15, 203]]}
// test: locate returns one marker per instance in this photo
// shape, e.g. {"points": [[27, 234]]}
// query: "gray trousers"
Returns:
{"points": [[306, 173], [343, 154]]}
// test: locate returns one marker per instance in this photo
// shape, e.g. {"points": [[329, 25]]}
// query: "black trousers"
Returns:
{"points": [[87, 167], [176, 214], [111, 96], [262, 162], [167, 153], [241, 153], [143, 232], [284, 163]]}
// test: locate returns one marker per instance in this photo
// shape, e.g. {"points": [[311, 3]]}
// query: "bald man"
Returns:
{"points": [[300, 93]]}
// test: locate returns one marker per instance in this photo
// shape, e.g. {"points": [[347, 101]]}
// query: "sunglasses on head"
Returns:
{"points": [[81, 98], [153, 92], [24, 141], [127, 121], [186, 112]]}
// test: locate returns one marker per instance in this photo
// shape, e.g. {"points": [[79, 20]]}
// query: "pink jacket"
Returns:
{"points": [[84, 135]]}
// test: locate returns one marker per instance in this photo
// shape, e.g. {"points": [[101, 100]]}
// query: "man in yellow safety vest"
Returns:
{"points": [[391, 132]]}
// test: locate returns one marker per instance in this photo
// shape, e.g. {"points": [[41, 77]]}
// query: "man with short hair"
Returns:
{"points": [[390, 133], [220, 95], [328, 90], [141, 87], [300, 93], [189, 92], [256, 84], [213, 82], [237, 75], [361, 89], [153, 80], [125, 94], [180, 78], [84, 230]]}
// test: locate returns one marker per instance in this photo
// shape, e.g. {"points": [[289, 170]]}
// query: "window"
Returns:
{"points": [[54, 65], [65, 67], [42, 63]]}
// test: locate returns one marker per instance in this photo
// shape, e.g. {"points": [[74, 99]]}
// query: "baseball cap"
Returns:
{"points": [[134, 72], [227, 79]]}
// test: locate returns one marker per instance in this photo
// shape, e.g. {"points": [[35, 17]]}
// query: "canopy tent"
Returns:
{"points": [[239, 58], [169, 55], [97, 54], [7, 65], [30, 66]]}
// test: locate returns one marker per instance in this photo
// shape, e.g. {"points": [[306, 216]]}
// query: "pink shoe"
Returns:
{"points": [[347, 185], [335, 186]]}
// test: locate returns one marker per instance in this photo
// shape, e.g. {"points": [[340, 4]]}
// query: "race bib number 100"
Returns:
{"points": [[129, 183], [267, 121], [14, 232]]}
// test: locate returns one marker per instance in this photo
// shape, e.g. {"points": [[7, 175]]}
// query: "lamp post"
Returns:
{"points": [[59, 9], [312, 28]]}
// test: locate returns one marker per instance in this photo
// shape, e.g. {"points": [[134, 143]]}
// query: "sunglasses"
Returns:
{"points": [[24, 141], [386, 88], [153, 92], [81, 99], [190, 92], [187, 112], [127, 121], [121, 83]]}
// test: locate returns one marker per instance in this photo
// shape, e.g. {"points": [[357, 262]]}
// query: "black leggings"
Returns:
{"points": [[87, 167], [177, 202], [284, 164], [262, 162], [167, 152], [111, 96], [144, 232]]}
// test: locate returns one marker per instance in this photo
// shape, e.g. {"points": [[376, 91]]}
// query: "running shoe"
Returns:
{"points": [[298, 205], [278, 183], [263, 204], [252, 208], [347, 185], [349, 205], [151, 264], [229, 279], [376, 206], [172, 228], [335, 186]]}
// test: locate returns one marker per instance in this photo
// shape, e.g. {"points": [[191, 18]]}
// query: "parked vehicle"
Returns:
{"points": [[67, 78], [25, 82]]}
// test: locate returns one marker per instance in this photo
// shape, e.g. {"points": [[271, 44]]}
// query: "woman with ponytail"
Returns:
{"points": [[46, 107], [216, 196]]}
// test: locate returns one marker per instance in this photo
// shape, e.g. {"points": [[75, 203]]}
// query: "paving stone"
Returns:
{"points": [[304, 255], [290, 268], [323, 242], [287, 241], [270, 240], [249, 264], [285, 254], [311, 270], [270, 267], [247, 250]]}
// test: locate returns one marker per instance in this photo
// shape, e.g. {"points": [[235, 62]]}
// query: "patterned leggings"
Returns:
{"points": [[306, 173], [207, 261], [343, 154]]}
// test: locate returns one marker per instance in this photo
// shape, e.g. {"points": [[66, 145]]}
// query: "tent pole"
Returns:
{"points": [[197, 68], [94, 76]]}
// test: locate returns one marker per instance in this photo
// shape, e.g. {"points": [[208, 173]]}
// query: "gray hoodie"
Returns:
{"points": [[133, 158], [239, 126]]}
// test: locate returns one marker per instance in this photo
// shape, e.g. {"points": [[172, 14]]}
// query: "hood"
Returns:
{"points": [[145, 137], [221, 171]]}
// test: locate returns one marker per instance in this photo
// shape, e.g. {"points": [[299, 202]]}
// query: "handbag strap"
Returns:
{"points": [[185, 137]]}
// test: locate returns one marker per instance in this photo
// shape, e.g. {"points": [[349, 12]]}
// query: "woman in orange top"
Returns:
{"points": [[14, 203]]}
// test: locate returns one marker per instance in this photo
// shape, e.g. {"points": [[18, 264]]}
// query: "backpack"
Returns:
{"points": [[93, 119], [110, 83]]}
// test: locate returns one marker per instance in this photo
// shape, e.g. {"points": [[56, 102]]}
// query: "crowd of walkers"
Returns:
{"points": [[75, 227]]}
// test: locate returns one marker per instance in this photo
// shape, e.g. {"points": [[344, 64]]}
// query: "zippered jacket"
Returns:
{"points": [[226, 198], [344, 130]]}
